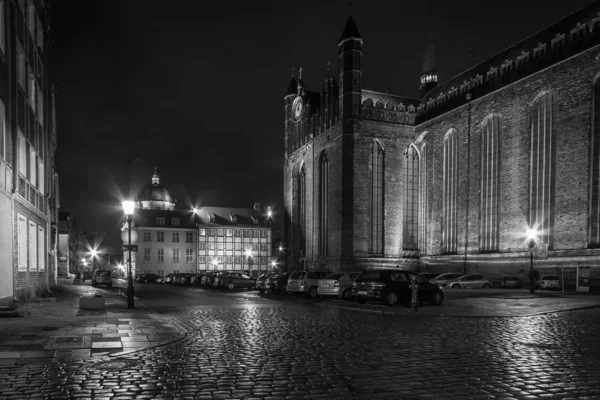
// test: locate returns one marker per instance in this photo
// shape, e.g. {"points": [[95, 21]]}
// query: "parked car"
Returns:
{"points": [[86, 275], [160, 279], [168, 278], [101, 277], [279, 282], [196, 279], [208, 278], [392, 286], [470, 281], [145, 278], [182, 278], [548, 282], [429, 276], [234, 280], [306, 282], [444, 279], [262, 280], [338, 284], [510, 282]]}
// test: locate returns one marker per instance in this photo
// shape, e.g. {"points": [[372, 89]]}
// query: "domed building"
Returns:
{"points": [[155, 196]]}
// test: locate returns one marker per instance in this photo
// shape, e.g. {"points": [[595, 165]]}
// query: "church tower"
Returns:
{"points": [[350, 75], [428, 78], [290, 95]]}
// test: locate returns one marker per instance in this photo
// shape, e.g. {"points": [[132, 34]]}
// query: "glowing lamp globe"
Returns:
{"points": [[128, 207], [125, 236]]}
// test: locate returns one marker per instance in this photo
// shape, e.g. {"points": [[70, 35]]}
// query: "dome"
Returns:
{"points": [[155, 193], [155, 196]]}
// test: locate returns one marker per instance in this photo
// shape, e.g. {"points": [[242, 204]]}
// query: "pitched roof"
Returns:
{"points": [[350, 30]]}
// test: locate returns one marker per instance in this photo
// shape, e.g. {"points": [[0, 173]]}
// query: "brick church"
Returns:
{"points": [[455, 180]]}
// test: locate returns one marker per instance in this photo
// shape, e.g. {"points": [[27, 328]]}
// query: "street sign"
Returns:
{"points": [[132, 247]]}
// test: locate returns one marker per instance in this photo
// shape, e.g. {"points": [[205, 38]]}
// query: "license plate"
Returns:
{"points": [[361, 293], [324, 284]]}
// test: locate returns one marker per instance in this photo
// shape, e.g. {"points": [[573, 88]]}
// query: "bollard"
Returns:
{"points": [[415, 295]]}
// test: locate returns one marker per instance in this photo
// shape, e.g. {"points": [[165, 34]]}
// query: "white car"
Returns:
{"points": [[548, 282], [470, 281], [443, 279]]}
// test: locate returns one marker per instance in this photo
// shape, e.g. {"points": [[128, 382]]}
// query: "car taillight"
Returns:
{"points": [[353, 285], [336, 284]]}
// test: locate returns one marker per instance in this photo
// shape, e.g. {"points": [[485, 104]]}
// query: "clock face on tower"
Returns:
{"points": [[297, 108]]}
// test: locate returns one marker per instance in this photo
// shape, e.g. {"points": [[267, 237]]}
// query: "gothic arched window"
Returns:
{"points": [[302, 209], [410, 228], [490, 184], [450, 188], [423, 199], [542, 177], [376, 208], [594, 223], [323, 204]]}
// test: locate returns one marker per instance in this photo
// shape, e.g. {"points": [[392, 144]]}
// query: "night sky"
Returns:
{"points": [[196, 88]]}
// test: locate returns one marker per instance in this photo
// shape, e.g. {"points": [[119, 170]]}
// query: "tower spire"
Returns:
{"points": [[428, 78], [155, 177]]}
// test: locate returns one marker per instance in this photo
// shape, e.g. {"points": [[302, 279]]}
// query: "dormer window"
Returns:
{"points": [[160, 220], [175, 221]]}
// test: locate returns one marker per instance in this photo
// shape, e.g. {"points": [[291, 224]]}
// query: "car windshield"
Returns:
{"points": [[297, 275], [104, 274], [445, 276], [335, 276], [550, 278], [369, 276]]}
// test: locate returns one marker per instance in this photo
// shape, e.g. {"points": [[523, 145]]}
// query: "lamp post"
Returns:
{"points": [[94, 255], [531, 236], [249, 256], [128, 207]]}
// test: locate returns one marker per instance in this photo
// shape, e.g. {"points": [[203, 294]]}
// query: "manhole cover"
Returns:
{"points": [[69, 339], [68, 342], [113, 365]]}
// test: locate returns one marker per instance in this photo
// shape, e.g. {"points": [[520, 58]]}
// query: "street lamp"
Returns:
{"points": [[94, 255], [531, 238], [128, 207], [249, 256]]}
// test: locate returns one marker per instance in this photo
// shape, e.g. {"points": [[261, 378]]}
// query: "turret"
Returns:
{"points": [[350, 75]]}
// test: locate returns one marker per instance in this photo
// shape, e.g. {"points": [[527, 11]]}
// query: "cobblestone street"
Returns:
{"points": [[311, 352]]}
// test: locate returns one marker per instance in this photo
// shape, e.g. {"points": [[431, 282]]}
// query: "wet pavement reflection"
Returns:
{"points": [[313, 352]]}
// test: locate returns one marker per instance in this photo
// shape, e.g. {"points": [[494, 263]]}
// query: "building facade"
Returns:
{"points": [[167, 237], [234, 239], [28, 203], [452, 181]]}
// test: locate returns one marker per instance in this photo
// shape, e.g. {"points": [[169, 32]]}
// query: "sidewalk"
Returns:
{"points": [[483, 303], [54, 329]]}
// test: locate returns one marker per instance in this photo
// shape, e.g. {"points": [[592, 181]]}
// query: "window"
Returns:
{"points": [[490, 184], [238, 246], [423, 199], [541, 186], [175, 221], [189, 237], [202, 246], [376, 192], [323, 203], [160, 236], [20, 65], [4, 150], [237, 232], [33, 167], [263, 247], [202, 232], [160, 220], [161, 255], [210, 232], [41, 249], [594, 223], [41, 180], [147, 255], [228, 246], [176, 256], [2, 28], [33, 257], [410, 228], [31, 89], [175, 237], [220, 246], [255, 233], [22, 239], [22, 154], [147, 236], [450, 187], [219, 232], [228, 232], [301, 199], [39, 98]]}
